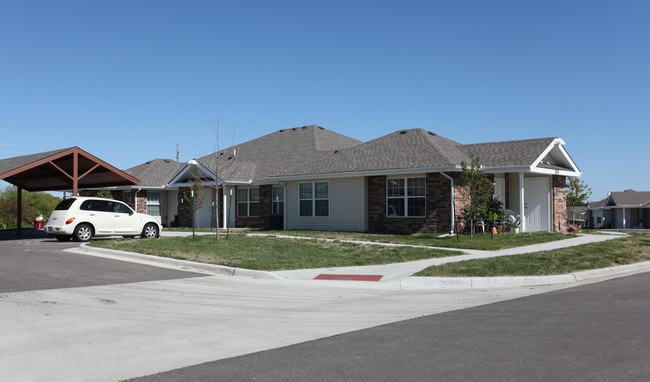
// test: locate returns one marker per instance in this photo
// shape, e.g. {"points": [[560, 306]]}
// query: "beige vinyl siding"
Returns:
{"points": [[169, 206], [347, 206]]}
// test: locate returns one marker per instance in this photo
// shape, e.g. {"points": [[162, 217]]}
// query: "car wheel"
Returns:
{"points": [[63, 237], [83, 232], [150, 231]]}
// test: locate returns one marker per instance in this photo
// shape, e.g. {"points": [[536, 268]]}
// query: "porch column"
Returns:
{"points": [[225, 207], [522, 203], [284, 206], [624, 210]]}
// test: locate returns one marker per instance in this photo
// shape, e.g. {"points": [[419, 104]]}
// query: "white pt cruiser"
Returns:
{"points": [[82, 218]]}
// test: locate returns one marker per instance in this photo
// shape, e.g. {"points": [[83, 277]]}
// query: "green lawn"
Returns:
{"points": [[270, 253], [482, 242], [628, 250]]}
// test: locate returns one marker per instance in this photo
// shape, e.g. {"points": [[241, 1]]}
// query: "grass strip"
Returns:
{"points": [[628, 250], [482, 242], [270, 253]]}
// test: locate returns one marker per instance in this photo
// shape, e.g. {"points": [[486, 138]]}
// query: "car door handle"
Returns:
{"points": [[92, 214], [117, 216]]}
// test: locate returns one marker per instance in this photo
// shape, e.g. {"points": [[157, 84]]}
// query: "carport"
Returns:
{"points": [[60, 170]]}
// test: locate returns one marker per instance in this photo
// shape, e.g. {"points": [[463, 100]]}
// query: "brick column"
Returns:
{"points": [[559, 207]]}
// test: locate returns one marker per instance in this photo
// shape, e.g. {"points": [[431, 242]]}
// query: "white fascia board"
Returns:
{"points": [[626, 206], [182, 185], [559, 142], [351, 174], [548, 171], [574, 166]]}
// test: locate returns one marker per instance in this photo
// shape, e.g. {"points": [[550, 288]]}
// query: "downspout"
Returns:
{"points": [[453, 202], [136, 199]]}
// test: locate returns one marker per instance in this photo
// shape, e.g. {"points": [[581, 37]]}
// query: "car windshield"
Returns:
{"points": [[65, 204]]}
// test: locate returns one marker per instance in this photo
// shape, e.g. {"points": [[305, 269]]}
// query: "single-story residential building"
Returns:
{"points": [[313, 178], [626, 209]]}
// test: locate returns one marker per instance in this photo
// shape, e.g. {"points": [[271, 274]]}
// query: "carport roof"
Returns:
{"points": [[63, 169]]}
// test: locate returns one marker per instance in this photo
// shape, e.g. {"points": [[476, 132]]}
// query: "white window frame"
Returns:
{"points": [[248, 202], [277, 206], [406, 197], [314, 199], [157, 203]]}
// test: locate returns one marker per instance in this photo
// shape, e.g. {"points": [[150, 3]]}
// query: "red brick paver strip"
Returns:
{"points": [[348, 277]]}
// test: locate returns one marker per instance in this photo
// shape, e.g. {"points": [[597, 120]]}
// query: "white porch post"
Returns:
{"points": [[522, 203], [284, 206], [624, 220], [225, 207]]}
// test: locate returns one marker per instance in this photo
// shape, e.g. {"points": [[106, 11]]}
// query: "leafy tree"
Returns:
{"points": [[104, 193], [478, 190], [33, 205], [577, 194]]}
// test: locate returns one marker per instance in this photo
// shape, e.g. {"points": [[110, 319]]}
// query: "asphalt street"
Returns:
{"points": [[37, 262], [595, 332]]}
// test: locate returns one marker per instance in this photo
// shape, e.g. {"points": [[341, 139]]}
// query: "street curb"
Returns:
{"points": [[405, 283], [413, 283], [173, 263]]}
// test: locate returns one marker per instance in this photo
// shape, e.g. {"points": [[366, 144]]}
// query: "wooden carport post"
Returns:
{"points": [[75, 173], [19, 209]]}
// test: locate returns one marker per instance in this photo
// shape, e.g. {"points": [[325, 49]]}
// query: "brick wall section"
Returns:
{"points": [[559, 208], [438, 208], [264, 220]]}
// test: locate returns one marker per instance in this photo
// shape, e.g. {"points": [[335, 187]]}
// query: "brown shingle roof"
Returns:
{"points": [[508, 153], [314, 150], [283, 152], [155, 173], [631, 198]]}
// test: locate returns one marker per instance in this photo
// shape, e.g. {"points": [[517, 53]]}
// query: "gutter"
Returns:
{"points": [[453, 202]]}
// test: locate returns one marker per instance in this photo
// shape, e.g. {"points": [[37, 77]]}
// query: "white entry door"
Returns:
{"points": [[536, 195]]}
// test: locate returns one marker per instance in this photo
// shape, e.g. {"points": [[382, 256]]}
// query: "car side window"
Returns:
{"points": [[95, 205], [121, 208]]}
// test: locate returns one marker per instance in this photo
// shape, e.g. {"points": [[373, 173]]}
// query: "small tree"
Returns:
{"points": [[104, 193], [479, 192], [577, 194]]}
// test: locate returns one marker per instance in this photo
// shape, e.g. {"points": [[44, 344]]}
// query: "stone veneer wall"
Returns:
{"points": [[438, 208], [559, 208], [184, 207]]}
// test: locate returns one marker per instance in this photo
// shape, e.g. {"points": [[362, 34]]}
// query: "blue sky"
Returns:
{"points": [[128, 80]]}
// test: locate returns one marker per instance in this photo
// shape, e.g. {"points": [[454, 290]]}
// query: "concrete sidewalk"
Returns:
{"points": [[398, 275], [401, 270]]}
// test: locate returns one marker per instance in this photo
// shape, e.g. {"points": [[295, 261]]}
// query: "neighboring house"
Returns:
{"points": [[579, 218], [626, 209], [313, 178]]}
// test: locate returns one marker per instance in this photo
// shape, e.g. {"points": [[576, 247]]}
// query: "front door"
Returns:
{"points": [[536, 194]]}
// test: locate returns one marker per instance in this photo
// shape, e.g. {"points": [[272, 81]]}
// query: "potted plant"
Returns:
{"points": [[515, 226]]}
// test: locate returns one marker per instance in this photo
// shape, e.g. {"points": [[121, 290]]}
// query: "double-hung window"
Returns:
{"points": [[277, 204], [405, 197], [153, 203], [314, 198], [248, 202]]}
